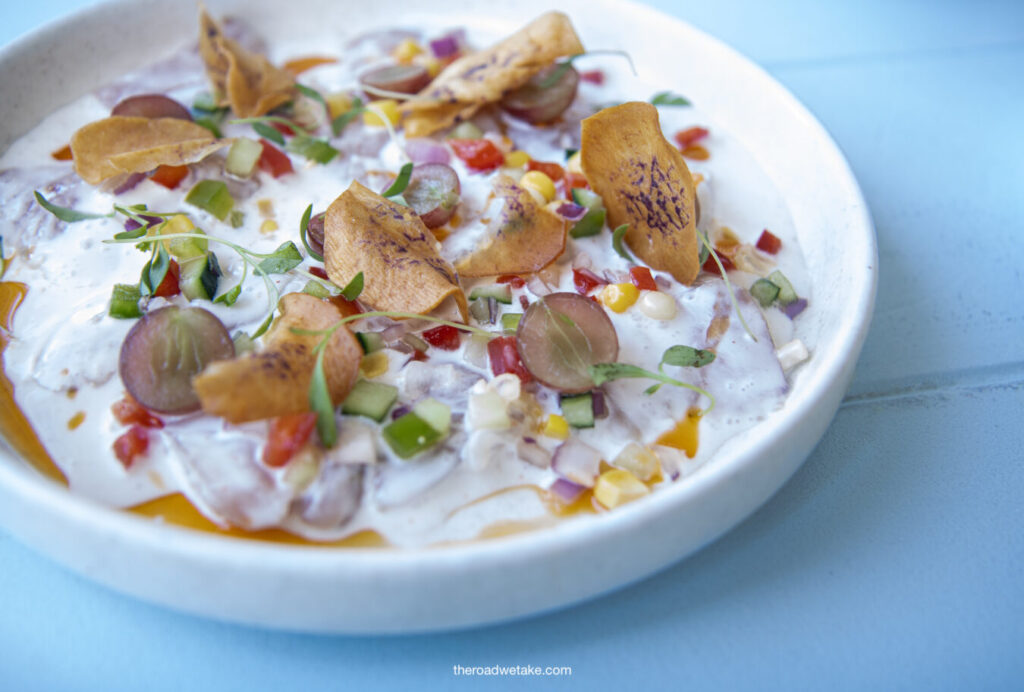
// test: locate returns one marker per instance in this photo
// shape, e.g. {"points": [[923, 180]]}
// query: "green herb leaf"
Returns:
{"points": [[311, 93], [206, 102], [617, 245], [283, 259], [686, 357], [312, 148], [728, 284], [303, 230], [229, 297], [557, 73], [155, 270], [401, 182], [606, 372], [653, 389], [236, 218], [667, 98], [65, 214], [320, 403], [267, 132], [569, 153], [132, 234], [263, 327], [353, 288], [339, 123]]}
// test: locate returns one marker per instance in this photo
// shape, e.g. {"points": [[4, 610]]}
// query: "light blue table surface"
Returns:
{"points": [[893, 559]]}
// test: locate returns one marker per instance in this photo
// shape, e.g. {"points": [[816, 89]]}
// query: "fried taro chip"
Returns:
{"points": [[397, 254], [246, 81], [122, 144], [480, 78], [275, 381], [523, 238], [645, 183]]}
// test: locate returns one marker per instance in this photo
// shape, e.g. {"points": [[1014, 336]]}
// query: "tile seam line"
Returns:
{"points": [[883, 56], [967, 380]]}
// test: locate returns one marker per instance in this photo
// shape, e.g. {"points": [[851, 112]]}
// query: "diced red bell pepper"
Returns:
{"points": [[769, 242], [319, 273], [512, 279], [524, 301], [169, 285], [712, 268], [573, 180], [593, 76], [169, 176], [131, 445], [283, 129], [444, 337], [420, 356], [287, 436], [586, 281], [479, 154], [273, 160], [504, 357], [642, 279], [685, 138], [551, 170], [128, 411]]}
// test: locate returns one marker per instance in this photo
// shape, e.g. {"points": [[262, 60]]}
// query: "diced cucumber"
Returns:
{"points": [[212, 196], [481, 311], [124, 301], [410, 435], [199, 277], [764, 291], [465, 130], [181, 248], [500, 292], [416, 343], [370, 399], [578, 410], [787, 294], [370, 341], [437, 414], [593, 221], [243, 156], [510, 322]]}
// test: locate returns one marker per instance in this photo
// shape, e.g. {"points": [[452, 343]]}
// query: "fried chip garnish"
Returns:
{"points": [[524, 237], [275, 381], [480, 78], [645, 183], [397, 254], [121, 144], [246, 81]]}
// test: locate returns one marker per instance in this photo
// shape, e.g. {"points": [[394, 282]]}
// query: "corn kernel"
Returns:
{"points": [[338, 103], [617, 487], [540, 182], [618, 297], [657, 305], [406, 50], [556, 426], [517, 159], [573, 165], [638, 460], [179, 223], [374, 364], [268, 226], [265, 207], [388, 107]]}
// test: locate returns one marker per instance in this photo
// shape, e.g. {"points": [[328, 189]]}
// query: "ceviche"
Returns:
{"points": [[399, 288]]}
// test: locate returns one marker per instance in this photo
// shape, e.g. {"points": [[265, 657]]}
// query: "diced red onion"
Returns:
{"points": [[567, 491], [663, 283], [132, 224], [615, 277], [529, 451], [492, 310], [445, 46], [598, 403], [582, 261], [399, 411], [795, 308], [537, 286], [571, 211], [427, 151], [577, 461], [395, 332], [129, 183]]}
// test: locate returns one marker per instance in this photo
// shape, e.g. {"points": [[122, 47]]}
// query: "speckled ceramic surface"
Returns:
{"points": [[356, 590]]}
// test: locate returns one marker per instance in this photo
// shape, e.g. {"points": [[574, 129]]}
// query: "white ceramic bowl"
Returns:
{"points": [[371, 590]]}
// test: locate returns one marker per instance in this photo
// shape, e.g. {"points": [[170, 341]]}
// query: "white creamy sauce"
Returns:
{"points": [[65, 342]]}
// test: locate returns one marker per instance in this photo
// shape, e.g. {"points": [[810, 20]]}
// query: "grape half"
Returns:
{"points": [[405, 79], [151, 106], [433, 193], [538, 104], [165, 349], [561, 335]]}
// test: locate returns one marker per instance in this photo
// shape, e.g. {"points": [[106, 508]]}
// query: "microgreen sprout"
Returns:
{"points": [[563, 67], [728, 284]]}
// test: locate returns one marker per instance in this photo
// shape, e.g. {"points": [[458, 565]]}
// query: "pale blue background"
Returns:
{"points": [[894, 559]]}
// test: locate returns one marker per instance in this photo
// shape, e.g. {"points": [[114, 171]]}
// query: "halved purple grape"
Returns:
{"points": [[536, 103], [561, 335], [151, 106], [165, 349], [405, 79], [315, 232], [433, 193]]}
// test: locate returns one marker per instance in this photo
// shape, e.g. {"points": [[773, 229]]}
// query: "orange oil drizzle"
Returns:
{"points": [[684, 435]]}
